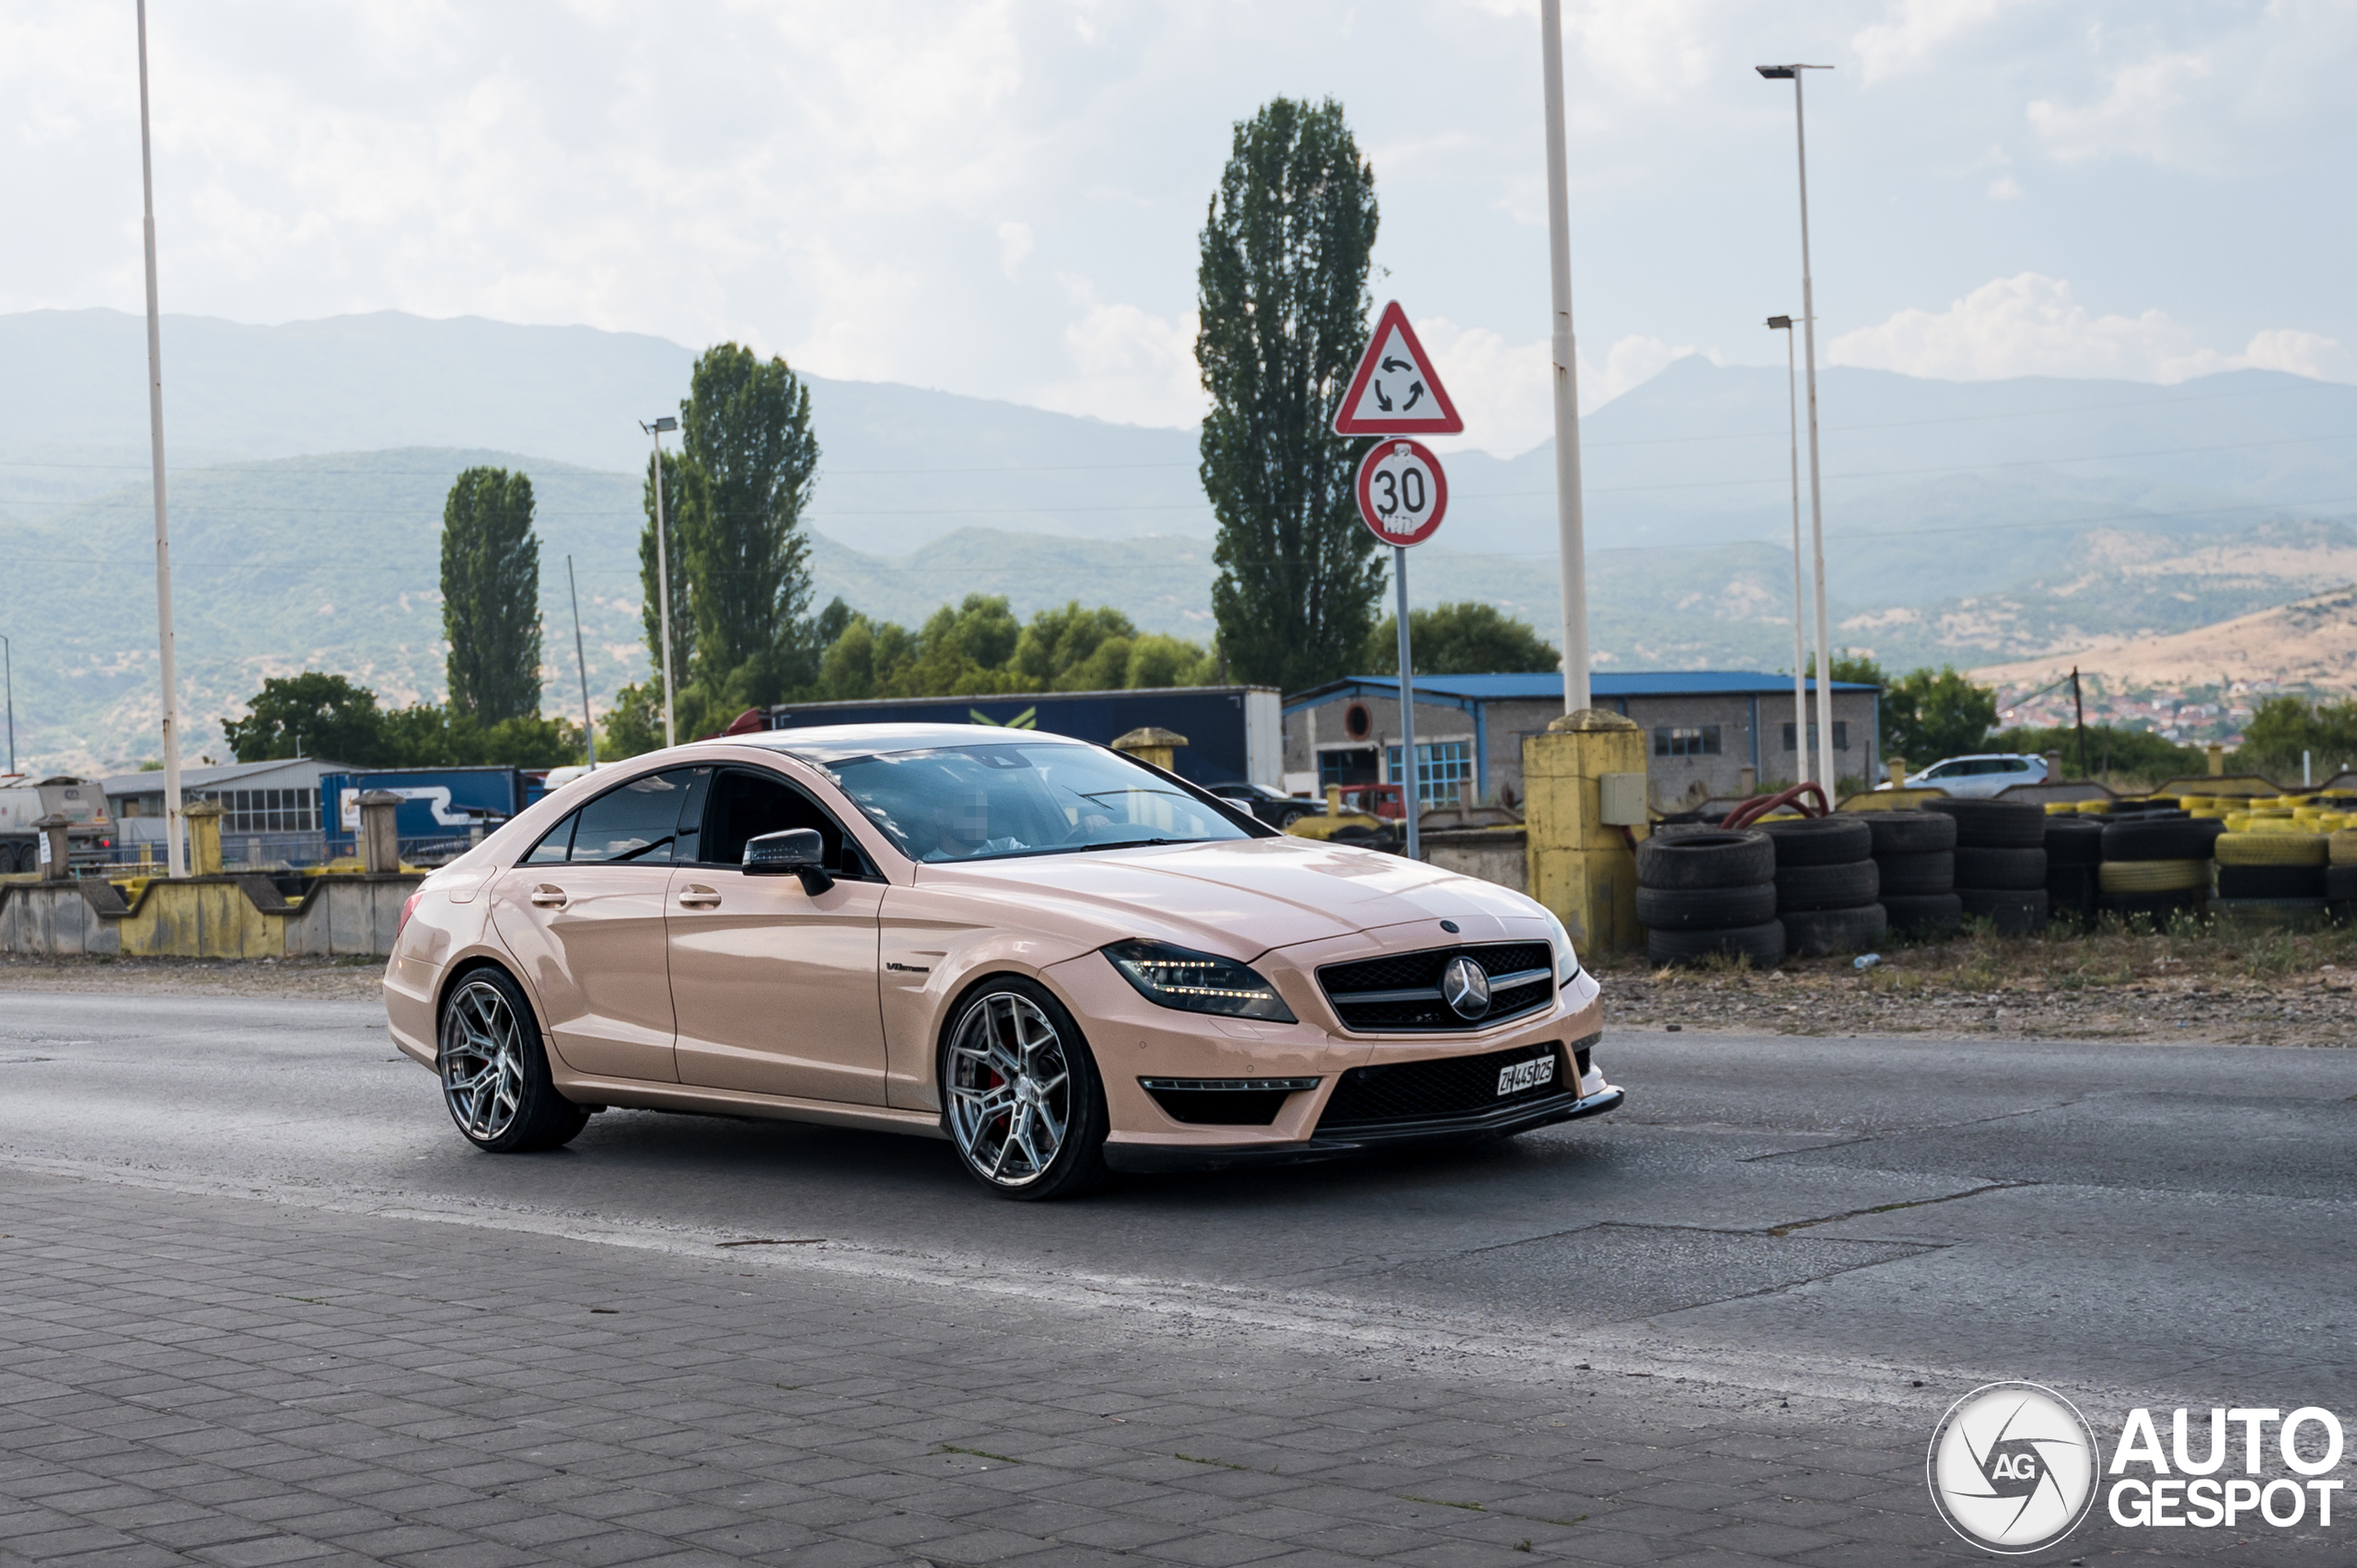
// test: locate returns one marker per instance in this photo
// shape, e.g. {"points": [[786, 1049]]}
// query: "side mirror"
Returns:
{"points": [[800, 851]]}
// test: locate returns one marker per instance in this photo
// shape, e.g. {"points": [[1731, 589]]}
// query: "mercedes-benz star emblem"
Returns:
{"points": [[1465, 986]]}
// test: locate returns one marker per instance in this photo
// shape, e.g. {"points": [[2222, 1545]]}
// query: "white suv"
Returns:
{"points": [[1989, 772]]}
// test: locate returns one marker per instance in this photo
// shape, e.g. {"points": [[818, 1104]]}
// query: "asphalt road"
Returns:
{"points": [[1871, 1225]]}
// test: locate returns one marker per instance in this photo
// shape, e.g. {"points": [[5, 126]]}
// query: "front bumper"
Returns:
{"points": [[1157, 1157]]}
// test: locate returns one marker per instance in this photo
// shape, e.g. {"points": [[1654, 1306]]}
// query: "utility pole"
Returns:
{"points": [[2079, 704], [662, 572], [175, 862], [1825, 775], [581, 662], [1570, 526]]}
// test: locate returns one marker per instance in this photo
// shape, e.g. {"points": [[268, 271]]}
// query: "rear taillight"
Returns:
{"points": [[409, 906]]}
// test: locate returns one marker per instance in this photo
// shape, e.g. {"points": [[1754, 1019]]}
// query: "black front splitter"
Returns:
{"points": [[1159, 1157]]}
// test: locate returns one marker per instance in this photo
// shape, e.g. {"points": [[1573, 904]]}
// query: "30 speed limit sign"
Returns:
{"points": [[1402, 493]]}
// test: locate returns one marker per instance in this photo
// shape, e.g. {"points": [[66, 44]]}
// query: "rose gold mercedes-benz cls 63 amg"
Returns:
{"points": [[1055, 956]]}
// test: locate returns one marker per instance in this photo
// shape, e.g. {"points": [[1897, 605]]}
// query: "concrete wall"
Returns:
{"points": [[210, 917], [1494, 855], [1752, 734]]}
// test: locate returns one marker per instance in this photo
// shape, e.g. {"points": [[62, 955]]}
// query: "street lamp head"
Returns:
{"points": [[1786, 72], [660, 426], [1781, 323]]}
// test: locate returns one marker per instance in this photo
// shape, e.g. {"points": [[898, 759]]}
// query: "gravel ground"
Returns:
{"points": [[2274, 990], [334, 980]]}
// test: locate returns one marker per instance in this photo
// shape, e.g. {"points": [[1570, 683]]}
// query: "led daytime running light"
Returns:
{"points": [[1197, 982]]}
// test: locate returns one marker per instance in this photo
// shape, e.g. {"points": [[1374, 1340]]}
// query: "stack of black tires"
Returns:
{"points": [[1915, 859], [2155, 866], [2074, 869], [1709, 894], [2000, 862], [1828, 888]]}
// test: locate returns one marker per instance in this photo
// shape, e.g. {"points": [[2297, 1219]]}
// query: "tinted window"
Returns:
{"points": [[558, 845], [981, 802], [744, 804], [638, 823]]}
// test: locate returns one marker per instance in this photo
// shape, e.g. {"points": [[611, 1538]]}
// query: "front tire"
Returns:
{"points": [[1020, 1095], [494, 1071]]}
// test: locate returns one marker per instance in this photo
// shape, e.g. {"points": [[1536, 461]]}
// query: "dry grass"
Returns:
{"points": [[2189, 983]]}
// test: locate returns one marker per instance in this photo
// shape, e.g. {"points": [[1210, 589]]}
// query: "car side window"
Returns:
{"points": [[638, 823], [745, 804], [1944, 771], [556, 844]]}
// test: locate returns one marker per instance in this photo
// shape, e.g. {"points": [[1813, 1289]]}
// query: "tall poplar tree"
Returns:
{"points": [[490, 596], [1283, 299], [749, 464]]}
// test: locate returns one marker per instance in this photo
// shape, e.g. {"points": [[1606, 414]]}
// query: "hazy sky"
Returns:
{"points": [[1003, 198]]}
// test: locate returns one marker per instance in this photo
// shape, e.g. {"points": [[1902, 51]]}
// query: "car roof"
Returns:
{"points": [[1991, 757], [827, 743]]}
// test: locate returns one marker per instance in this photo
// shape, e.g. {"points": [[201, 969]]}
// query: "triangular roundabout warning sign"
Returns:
{"points": [[1395, 392]]}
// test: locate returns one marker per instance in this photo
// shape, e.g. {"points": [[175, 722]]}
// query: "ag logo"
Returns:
{"points": [[2013, 1468]]}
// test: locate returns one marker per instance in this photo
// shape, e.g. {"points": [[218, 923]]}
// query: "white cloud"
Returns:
{"points": [[2004, 188], [2031, 325], [1505, 390], [1914, 30], [1013, 243], [1125, 364], [2141, 115]]}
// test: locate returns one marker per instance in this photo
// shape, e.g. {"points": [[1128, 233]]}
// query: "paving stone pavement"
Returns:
{"points": [[243, 1384]]}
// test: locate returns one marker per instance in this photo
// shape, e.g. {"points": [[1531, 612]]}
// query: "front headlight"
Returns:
{"points": [[1567, 963], [1197, 982]]}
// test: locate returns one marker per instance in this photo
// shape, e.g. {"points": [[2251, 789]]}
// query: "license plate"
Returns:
{"points": [[1517, 1077]]}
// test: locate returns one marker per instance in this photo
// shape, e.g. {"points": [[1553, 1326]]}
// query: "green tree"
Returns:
{"points": [[751, 462], [978, 649], [310, 715], [491, 596], [2143, 756], [2284, 727], [1471, 638], [1282, 283], [1931, 713]]}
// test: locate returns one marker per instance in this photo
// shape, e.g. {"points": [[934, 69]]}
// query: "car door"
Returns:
{"points": [[773, 985], [584, 912]]}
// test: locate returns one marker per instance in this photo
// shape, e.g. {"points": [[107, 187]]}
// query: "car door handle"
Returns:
{"points": [[698, 898], [548, 898]]}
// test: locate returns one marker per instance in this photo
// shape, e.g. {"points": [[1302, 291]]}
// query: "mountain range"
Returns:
{"points": [[1966, 522]]}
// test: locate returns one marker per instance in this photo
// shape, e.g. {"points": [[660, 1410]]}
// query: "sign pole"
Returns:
{"points": [[175, 861], [1409, 794], [1570, 526]]}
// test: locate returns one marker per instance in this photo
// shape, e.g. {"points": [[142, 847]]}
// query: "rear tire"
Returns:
{"points": [[1019, 1093], [494, 1070]]}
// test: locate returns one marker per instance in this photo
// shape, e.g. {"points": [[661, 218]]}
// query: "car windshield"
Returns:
{"points": [[991, 801]]}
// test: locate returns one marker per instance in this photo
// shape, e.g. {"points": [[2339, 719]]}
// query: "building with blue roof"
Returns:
{"points": [[1707, 729]]}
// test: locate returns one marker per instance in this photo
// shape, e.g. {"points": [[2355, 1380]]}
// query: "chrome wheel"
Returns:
{"points": [[482, 1061], [1010, 1089]]}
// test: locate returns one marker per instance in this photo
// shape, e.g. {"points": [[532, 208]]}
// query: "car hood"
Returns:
{"points": [[1242, 897]]}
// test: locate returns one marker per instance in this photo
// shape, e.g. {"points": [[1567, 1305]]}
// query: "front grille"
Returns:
{"points": [[1428, 1091], [1399, 994]]}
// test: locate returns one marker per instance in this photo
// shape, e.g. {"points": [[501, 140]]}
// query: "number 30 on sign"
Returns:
{"points": [[1402, 493]]}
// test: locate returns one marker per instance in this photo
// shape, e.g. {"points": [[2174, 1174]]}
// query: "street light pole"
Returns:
{"points": [[175, 864], [1825, 775], [1803, 755], [662, 572], [1570, 526]]}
